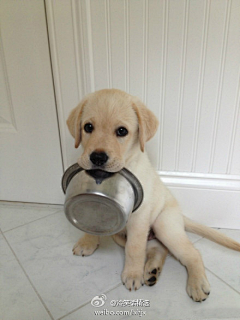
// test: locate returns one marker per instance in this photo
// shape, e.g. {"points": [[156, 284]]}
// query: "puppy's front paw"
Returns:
{"points": [[85, 247], [132, 279], [198, 288]]}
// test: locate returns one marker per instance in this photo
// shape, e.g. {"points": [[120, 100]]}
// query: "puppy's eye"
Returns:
{"points": [[88, 128], [121, 132]]}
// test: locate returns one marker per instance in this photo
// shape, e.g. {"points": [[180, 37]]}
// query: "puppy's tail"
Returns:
{"points": [[210, 234]]}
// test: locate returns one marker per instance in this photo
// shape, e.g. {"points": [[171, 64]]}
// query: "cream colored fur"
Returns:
{"points": [[108, 110]]}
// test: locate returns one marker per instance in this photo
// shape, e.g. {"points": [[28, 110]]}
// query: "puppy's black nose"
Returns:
{"points": [[99, 158]]}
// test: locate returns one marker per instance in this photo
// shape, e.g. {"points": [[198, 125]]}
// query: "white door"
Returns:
{"points": [[30, 155]]}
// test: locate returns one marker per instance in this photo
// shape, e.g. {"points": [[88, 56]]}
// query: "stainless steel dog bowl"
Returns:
{"points": [[99, 202]]}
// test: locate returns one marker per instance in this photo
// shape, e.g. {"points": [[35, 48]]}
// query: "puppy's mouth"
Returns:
{"points": [[111, 166], [99, 175]]}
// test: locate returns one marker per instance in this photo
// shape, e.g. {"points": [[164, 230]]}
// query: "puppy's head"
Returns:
{"points": [[111, 126]]}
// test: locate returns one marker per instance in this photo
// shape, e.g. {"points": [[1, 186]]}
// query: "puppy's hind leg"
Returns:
{"points": [[155, 258], [169, 229], [120, 238]]}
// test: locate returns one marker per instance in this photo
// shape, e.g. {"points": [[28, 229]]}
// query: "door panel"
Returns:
{"points": [[30, 160]]}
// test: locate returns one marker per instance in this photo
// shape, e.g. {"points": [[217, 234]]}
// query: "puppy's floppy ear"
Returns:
{"points": [[74, 122], [147, 122]]}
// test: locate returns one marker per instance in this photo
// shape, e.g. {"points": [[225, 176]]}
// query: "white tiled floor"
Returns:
{"points": [[41, 279]]}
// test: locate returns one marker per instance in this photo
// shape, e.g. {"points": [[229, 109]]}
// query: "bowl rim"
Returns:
{"points": [[129, 176]]}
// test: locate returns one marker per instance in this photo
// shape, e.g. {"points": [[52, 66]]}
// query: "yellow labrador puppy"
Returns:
{"points": [[113, 127]]}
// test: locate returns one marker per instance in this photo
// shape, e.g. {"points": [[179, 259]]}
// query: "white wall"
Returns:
{"points": [[183, 59]]}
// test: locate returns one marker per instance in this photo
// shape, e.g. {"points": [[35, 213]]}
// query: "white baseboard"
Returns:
{"points": [[213, 200]]}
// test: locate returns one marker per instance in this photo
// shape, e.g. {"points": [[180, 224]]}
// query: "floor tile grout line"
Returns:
{"points": [[27, 223], [28, 204], [195, 241], [238, 292], [89, 301], [29, 280]]}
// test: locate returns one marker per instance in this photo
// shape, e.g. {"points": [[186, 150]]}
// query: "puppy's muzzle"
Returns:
{"points": [[98, 158]]}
